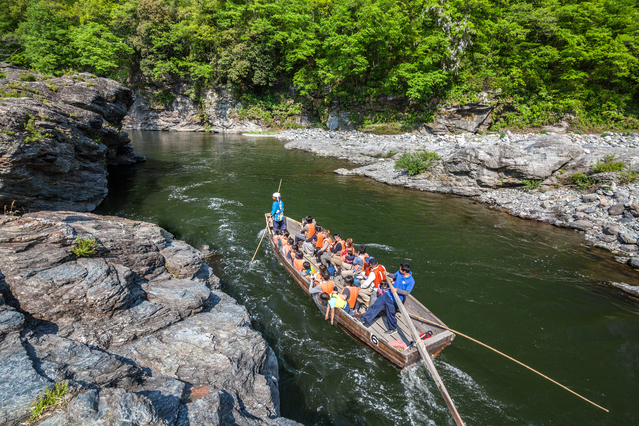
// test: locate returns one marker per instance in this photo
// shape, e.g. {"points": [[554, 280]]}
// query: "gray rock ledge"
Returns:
{"points": [[140, 330]]}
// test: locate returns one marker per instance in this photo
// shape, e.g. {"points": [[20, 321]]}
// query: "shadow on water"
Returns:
{"points": [[533, 291]]}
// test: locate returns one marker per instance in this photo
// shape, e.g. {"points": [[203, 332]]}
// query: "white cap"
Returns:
{"points": [[277, 195]]}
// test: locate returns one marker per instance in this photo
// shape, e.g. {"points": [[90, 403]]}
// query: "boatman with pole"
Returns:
{"points": [[277, 212]]}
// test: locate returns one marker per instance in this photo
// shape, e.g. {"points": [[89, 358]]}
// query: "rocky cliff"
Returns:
{"points": [[139, 330], [57, 135]]}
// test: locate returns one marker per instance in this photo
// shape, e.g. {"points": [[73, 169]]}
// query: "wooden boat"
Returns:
{"points": [[373, 336]]}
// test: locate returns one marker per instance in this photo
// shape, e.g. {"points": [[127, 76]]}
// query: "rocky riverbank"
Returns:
{"points": [[57, 136], [140, 330], [491, 168]]}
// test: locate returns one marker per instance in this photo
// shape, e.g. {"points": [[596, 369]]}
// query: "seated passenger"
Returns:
{"points": [[376, 273], [336, 301], [351, 292], [324, 286], [287, 249], [334, 249], [307, 272], [307, 231], [360, 262], [339, 260], [282, 241], [317, 277], [298, 262], [404, 284], [277, 236], [327, 243]]}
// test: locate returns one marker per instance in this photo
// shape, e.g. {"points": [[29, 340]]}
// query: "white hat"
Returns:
{"points": [[277, 195]]}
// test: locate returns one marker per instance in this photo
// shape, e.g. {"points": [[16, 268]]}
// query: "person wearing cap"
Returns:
{"points": [[277, 212]]}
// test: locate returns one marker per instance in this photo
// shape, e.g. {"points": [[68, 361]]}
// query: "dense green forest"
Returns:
{"points": [[542, 59]]}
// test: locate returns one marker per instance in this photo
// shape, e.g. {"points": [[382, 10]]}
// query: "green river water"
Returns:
{"points": [[531, 290]]}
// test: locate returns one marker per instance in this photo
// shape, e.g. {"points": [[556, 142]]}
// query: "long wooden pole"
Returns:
{"points": [[428, 361], [509, 357], [258, 246]]}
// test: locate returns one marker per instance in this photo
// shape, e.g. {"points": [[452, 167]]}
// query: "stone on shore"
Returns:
{"points": [[616, 210], [628, 237]]}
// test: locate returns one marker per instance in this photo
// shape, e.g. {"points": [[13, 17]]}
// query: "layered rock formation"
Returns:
{"points": [[57, 136], [217, 113], [140, 330]]}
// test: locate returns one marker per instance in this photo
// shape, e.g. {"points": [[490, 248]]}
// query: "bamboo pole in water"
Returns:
{"points": [[504, 355], [258, 246], [428, 361]]}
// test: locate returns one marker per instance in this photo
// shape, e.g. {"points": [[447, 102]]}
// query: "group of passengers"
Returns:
{"points": [[367, 285]]}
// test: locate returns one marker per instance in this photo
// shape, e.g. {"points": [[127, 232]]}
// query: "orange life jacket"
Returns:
{"points": [[311, 230], [327, 286], [330, 243], [379, 276], [286, 249], [320, 240], [353, 298], [299, 264], [365, 266]]}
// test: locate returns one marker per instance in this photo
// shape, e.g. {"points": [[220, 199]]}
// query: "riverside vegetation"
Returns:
{"points": [[539, 62]]}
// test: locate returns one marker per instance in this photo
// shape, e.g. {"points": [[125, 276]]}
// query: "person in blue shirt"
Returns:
{"points": [[277, 212], [404, 284]]}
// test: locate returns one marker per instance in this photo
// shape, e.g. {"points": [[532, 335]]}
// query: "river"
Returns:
{"points": [[532, 291]]}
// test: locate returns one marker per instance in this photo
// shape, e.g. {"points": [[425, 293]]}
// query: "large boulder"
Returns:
{"points": [[57, 136], [471, 117], [496, 165], [139, 330]]}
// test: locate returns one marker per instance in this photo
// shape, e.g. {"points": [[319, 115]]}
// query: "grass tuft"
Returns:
{"points": [[51, 398], [34, 134], [582, 181], [27, 77], [85, 247], [530, 185], [608, 164], [416, 162]]}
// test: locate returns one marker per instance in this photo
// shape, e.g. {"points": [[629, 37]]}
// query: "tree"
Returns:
{"points": [[45, 34], [97, 49]]}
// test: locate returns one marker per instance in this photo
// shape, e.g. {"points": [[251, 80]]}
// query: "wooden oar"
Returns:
{"points": [[428, 361], [509, 357]]}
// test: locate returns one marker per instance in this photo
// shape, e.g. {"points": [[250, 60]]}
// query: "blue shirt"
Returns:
{"points": [[403, 283], [358, 261], [278, 210]]}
